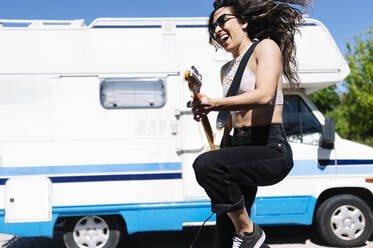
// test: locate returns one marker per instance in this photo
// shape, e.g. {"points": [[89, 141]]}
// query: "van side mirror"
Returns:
{"points": [[328, 134]]}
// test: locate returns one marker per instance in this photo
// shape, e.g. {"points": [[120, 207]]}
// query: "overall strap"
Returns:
{"points": [[233, 89]]}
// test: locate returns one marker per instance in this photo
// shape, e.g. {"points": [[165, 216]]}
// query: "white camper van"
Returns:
{"points": [[97, 137]]}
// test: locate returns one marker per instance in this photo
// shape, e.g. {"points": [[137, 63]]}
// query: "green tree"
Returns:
{"points": [[354, 113], [359, 99]]}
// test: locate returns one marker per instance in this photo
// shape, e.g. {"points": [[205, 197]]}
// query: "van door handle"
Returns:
{"points": [[179, 112], [180, 151]]}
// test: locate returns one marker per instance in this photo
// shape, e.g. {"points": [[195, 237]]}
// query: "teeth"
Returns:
{"points": [[224, 37]]}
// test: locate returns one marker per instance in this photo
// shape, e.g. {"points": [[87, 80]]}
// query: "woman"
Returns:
{"points": [[258, 153]]}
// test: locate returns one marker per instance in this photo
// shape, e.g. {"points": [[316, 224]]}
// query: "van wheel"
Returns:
{"points": [[92, 232], [344, 220]]}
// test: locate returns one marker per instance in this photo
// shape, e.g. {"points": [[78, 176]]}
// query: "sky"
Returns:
{"points": [[343, 18]]}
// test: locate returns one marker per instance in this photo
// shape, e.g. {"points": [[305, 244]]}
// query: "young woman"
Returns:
{"points": [[258, 153]]}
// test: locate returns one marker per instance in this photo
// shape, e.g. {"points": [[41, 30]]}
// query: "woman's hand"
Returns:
{"points": [[201, 106]]}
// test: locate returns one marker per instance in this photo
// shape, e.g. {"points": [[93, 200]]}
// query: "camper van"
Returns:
{"points": [[97, 138]]}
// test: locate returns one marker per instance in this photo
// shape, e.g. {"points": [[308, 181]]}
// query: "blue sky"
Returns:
{"points": [[344, 18]]}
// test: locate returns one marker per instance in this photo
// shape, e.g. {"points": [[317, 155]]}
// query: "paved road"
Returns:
{"points": [[277, 237]]}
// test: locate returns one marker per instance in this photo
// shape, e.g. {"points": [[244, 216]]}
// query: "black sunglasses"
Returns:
{"points": [[219, 22]]}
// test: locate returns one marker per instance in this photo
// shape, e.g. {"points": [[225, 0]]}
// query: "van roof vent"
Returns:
{"points": [[169, 28]]}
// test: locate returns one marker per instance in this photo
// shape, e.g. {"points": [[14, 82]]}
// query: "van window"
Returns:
{"points": [[117, 93], [300, 124]]}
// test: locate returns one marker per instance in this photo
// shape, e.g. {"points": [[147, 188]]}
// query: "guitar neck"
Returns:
{"points": [[194, 81], [208, 131]]}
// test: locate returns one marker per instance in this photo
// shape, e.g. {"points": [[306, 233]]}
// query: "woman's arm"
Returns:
{"points": [[268, 57]]}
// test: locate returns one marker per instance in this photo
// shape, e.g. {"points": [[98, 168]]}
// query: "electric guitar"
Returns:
{"points": [[194, 79]]}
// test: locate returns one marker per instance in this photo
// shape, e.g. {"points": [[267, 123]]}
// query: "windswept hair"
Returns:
{"points": [[274, 19]]}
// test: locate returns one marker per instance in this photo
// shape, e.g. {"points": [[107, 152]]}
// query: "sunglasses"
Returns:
{"points": [[220, 22]]}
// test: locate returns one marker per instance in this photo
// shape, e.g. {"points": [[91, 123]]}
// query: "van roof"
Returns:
{"points": [[320, 62], [87, 52]]}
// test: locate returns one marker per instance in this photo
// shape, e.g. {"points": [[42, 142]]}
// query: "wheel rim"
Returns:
{"points": [[91, 232], [348, 222]]}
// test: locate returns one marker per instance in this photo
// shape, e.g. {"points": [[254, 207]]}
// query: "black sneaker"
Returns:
{"points": [[252, 240]]}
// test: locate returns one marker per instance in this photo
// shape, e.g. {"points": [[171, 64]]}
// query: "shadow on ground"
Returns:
{"points": [[276, 235]]}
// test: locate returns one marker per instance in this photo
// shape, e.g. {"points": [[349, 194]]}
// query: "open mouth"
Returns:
{"points": [[224, 38]]}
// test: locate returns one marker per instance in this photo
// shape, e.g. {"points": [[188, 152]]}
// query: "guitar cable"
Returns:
{"points": [[199, 231]]}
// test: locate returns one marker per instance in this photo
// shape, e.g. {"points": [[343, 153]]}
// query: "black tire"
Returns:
{"points": [[344, 221], [104, 232]]}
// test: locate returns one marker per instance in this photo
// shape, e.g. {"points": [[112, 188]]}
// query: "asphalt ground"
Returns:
{"points": [[277, 237]]}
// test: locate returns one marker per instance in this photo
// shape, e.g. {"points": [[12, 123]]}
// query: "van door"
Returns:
{"points": [[28, 199], [192, 144]]}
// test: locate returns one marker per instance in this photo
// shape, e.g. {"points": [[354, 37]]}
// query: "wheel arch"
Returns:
{"points": [[363, 193], [61, 221]]}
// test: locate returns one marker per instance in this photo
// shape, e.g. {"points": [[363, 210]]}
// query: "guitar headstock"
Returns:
{"points": [[194, 79]]}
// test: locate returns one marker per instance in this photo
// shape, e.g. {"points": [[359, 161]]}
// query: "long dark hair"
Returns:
{"points": [[274, 19]]}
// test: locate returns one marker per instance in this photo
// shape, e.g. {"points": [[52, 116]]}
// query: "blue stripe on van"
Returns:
{"points": [[311, 168], [158, 171], [327, 167], [150, 26], [191, 26], [346, 161], [177, 26], [154, 171], [307, 24], [103, 178], [128, 26], [95, 168], [354, 161]]}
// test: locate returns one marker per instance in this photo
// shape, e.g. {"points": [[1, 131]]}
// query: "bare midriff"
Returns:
{"points": [[259, 116]]}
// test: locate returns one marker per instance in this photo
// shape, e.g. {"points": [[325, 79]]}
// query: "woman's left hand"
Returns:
{"points": [[201, 105]]}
